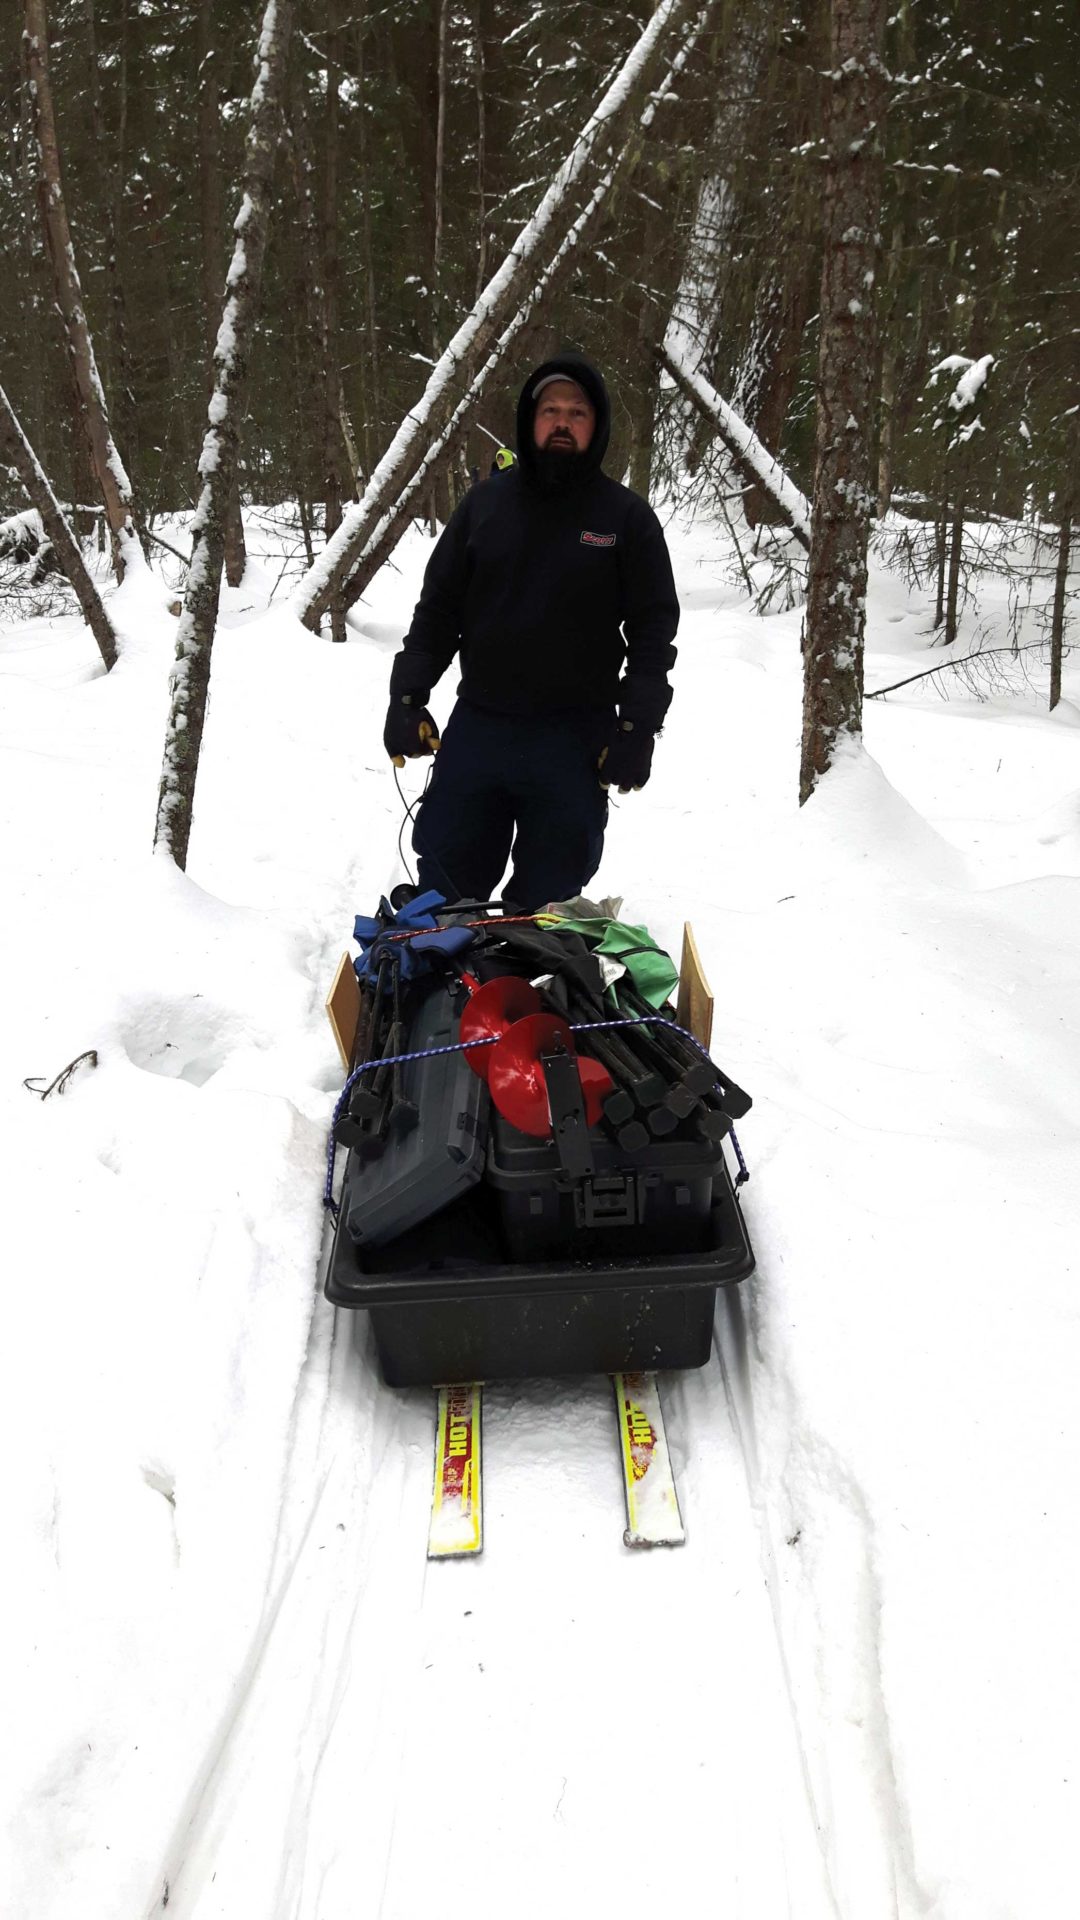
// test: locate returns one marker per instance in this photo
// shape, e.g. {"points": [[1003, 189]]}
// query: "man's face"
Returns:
{"points": [[565, 418]]}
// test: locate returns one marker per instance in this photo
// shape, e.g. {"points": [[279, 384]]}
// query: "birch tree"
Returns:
{"points": [[15, 445], [211, 219], [843, 479], [217, 463], [107, 465], [492, 321]]}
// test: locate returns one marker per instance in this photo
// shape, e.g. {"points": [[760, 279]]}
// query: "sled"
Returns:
{"points": [[528, 1190]]}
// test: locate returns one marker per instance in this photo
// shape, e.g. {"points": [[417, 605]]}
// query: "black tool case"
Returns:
{"points": [[657, 1201], [417, 1173]]}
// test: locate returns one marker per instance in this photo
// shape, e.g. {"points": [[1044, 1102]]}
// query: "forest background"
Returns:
{"points": [[420, 135]]}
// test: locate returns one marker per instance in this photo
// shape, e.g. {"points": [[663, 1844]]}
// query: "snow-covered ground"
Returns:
{"points": [[232, 1684]]}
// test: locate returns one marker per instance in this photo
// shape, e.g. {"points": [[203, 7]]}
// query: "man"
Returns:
{"points": [[548, 579]]}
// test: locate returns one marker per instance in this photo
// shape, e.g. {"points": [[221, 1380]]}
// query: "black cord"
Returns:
{"points": [[408, 812]]}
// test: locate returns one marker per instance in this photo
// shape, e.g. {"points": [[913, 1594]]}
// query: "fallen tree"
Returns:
{"points": [[481, 340], [750, 455]]}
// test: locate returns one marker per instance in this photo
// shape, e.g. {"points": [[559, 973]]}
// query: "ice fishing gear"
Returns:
{"points": [[536, 1179]]}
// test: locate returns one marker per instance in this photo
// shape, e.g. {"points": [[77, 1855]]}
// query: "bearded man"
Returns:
{"points": [[553, 584]]}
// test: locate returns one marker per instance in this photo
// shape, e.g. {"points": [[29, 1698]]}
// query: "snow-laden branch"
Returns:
{"points": [[750, 455], [490, 318]]}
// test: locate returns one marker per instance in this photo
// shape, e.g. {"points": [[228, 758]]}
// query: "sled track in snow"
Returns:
{"points": [[827, 1623], [571, 1696]]}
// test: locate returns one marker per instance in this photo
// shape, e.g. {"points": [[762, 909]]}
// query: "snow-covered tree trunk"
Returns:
{"points": [[108, 467], [492, 321], [751, 457], [17, 448], [217, 462], [847, 367], [211, 217]]}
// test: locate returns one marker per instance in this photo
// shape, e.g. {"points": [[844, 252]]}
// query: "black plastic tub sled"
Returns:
{"points": [[537, 1179]]}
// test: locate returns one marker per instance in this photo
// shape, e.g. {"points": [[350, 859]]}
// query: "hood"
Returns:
{"points": [[575, 367]]}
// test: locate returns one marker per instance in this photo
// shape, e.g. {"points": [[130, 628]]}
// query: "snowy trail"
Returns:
{"points": [[236, 1686], [505, 1730]]}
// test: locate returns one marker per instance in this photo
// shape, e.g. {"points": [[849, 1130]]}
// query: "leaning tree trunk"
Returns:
{"points": [[217, 464], [16, 447], [108, 467], [493, 318], [442, 448], [847, 364], [754, 461]]}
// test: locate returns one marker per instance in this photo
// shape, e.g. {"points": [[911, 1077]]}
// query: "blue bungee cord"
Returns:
{"points": [[490, 1040]]}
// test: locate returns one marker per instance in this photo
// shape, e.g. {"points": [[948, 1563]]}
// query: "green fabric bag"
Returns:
{"points": [[652, 971]]}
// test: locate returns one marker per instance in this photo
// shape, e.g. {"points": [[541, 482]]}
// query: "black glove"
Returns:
{"points": [[410, 730], [626, 761]]}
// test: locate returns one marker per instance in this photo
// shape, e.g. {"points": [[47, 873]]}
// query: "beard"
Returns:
{"points": [[558, 467]]}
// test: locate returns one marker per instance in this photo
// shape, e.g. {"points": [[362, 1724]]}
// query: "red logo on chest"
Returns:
{"points": [[598, 539]]}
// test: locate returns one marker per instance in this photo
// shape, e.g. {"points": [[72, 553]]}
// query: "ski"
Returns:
{"points": [[652, 1504], [457, 1520]]}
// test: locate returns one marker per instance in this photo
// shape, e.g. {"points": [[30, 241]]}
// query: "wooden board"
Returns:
{"points": [[694, 1007], [343, 1008]]}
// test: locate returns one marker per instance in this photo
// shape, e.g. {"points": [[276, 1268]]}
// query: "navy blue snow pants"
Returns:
{"points": [[502, 781]]}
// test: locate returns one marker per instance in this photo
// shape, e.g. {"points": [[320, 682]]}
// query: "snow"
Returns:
{"points": [[973, 375], [231, 1680]]}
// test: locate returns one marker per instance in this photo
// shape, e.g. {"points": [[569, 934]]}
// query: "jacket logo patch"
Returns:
{"points": [[598, 539]]}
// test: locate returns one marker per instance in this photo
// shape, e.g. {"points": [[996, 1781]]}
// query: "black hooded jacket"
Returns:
{"points": [[547, 592]]}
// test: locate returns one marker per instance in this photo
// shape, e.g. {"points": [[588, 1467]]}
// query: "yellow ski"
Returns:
{"points": [[652, 1504], [457, 1519]]}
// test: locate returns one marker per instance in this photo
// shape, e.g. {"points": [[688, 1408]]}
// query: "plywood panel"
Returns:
{"points": [[694, 1008], [343, 1008]]}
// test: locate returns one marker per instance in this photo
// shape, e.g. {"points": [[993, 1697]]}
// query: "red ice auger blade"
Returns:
{"points": [[517, 1080], [491, 1010]]}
